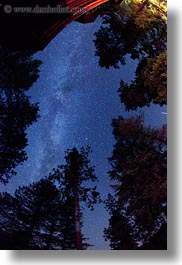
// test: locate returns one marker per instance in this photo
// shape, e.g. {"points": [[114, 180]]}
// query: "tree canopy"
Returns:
{"points": [[138, 30], [18, 71], [34, 217], [149, 86], [48, 214], [139, 169]]}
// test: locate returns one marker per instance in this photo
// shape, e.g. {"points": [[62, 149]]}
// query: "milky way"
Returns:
{"points": [[78, 101]]}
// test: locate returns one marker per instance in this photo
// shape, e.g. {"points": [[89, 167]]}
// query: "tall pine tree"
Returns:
{"points": [[139, 169], [72, 178]]}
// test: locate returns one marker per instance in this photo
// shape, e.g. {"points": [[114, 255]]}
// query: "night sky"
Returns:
{"points": [[78, 101]]}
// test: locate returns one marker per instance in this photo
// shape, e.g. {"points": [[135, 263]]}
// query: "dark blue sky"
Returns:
{"points": [[78, 101]]}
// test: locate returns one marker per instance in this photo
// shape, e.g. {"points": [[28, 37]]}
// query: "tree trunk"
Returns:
{"points": [[77, 222]]}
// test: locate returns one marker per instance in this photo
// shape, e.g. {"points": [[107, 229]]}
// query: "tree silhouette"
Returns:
{"points": [[31, 218], [119, 232], [158, 241], [139, 168], [18, 71], [149, 86], [119, 36], [142, 36], [72, 178], [47, 214]]}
